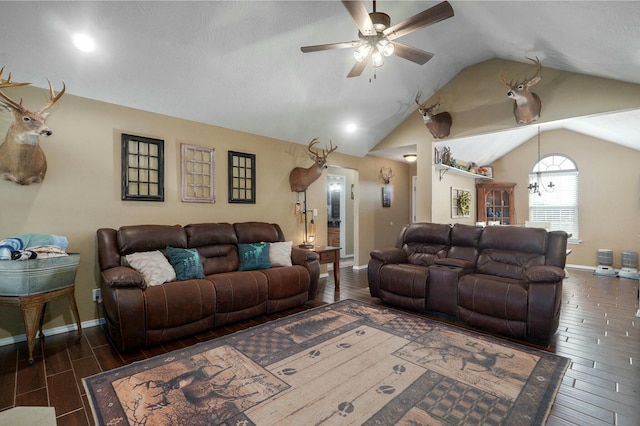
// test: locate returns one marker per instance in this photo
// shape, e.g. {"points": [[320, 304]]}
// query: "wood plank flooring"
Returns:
{"points": [[598, 331]]}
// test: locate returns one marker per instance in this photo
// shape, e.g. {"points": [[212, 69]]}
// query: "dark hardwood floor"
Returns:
{"points": [[598, 331]]}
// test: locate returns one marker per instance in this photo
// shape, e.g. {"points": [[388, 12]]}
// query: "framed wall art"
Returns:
{"points": [[142, 168], [198, 174], [460, 203], [386, 196], [242, 178]]}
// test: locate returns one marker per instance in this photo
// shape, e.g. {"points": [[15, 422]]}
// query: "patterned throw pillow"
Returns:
{"points": [[186, 263], [254, 256], [153, 266], [280, 253]]}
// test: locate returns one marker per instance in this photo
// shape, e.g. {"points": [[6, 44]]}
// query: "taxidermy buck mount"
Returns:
{"points": [[526, 105], [438, 124], [300, 178], [21, 158]]}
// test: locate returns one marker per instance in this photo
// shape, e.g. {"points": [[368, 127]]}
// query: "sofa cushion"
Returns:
{"points": [[177, 303], [288, 287], [425, 242], [280, 253], [155, 268], [141, 238], [493, 296], [254, 256], [186, 263], [255, 232], [238, 291], [404, 285], [507, 263]]}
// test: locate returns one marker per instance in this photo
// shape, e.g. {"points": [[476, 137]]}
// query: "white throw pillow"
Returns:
{"points": [[280, 253], [153, 265]]}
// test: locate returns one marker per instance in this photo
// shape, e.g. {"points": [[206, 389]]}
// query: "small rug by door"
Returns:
{"points": [[344, 363]]}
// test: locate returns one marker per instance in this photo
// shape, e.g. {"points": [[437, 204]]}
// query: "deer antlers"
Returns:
{"points": [[325, 153], [386, 173], [53, 98], [9, 83], [513, 83]]}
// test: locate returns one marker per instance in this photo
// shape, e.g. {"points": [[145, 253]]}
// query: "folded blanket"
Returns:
{"points": [[8, 246], [30, 240], [43, 252]]}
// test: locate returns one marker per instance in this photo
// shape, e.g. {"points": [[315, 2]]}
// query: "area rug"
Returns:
{"points": [[344, 363]]}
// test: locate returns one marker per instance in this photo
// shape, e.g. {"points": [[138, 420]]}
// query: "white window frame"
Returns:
{"points": [[558, 206]]}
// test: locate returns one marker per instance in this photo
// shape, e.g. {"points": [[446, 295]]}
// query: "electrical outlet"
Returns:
{"points": [[97, 295]]}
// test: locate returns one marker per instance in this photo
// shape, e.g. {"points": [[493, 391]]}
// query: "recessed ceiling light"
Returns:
{"points": [[351, 127], [84, 42]]}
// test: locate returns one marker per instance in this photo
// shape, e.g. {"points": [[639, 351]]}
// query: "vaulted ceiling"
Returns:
{"points": [[238, 64]]}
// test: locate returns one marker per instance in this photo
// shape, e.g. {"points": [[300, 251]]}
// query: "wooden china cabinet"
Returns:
{"points": [[495, 202]]}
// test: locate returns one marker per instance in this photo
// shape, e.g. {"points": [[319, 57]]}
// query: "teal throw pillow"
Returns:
{"points": [[254, 256], [186, 263]]}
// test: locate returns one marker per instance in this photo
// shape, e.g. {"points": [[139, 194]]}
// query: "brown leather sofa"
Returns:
{"points": [[507, 279], [138, 315]]}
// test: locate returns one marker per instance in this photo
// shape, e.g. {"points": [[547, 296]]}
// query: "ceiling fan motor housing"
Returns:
{"points": [[381, 21]]}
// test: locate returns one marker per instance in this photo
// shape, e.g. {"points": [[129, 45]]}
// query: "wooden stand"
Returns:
{"points": [[32, 307], [30, 284]]}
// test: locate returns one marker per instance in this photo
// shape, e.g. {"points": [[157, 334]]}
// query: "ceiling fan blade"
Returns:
{"points": [[413, 54], [357, 68], [430, 16], [360, 15], [320, 47]]}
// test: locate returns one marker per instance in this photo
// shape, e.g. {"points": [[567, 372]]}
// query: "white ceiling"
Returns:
{"points": [[238, 64]]}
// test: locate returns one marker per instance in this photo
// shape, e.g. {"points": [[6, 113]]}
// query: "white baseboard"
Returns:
{"points": [[52, 331], [584, 267], [357, 268]]}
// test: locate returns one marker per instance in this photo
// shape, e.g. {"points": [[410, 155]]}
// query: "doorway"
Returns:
{"points": [[341, 210]]}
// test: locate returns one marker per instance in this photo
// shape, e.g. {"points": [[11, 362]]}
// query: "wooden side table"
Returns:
{"points": [[329, 254], [30, 284]]}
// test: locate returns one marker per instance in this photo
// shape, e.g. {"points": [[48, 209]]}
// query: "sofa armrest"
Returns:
{"points": [[122, 276], [300, 256], [389, 255], [309, 260], [543, 274], [458, 263]]}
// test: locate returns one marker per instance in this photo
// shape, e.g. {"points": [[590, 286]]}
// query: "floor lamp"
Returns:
{"points": [[309, 229]]}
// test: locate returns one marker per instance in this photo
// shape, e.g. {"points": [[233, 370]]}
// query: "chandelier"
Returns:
{"points": [[536, 187]]}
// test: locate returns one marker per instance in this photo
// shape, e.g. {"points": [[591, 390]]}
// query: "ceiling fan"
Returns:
{"points": [[377, 36]]}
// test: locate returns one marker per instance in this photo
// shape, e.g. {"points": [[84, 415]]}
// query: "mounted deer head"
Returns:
{"points": [[385, 175], [300, 178], [438, 124], [526, 105], [21, 158]]}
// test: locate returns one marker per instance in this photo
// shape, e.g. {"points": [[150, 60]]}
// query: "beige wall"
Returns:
{"points": [[609, 174], [81, 191]]}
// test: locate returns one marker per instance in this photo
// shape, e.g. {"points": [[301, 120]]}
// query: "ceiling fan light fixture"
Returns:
{"points": [[377, 60], [362, 52], [386, 47]]}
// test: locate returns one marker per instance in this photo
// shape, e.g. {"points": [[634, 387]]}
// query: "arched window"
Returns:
{"points": [[553, 194]]}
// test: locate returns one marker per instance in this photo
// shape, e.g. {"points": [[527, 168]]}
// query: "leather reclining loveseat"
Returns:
{"points": [[506, 279], [139, 315]]}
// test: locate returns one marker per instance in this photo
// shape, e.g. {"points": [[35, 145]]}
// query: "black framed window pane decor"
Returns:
{"points": [[142, 168], [242, 177]]}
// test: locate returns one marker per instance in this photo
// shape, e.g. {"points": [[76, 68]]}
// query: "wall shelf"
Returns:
{"points": [[443, 169]]}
